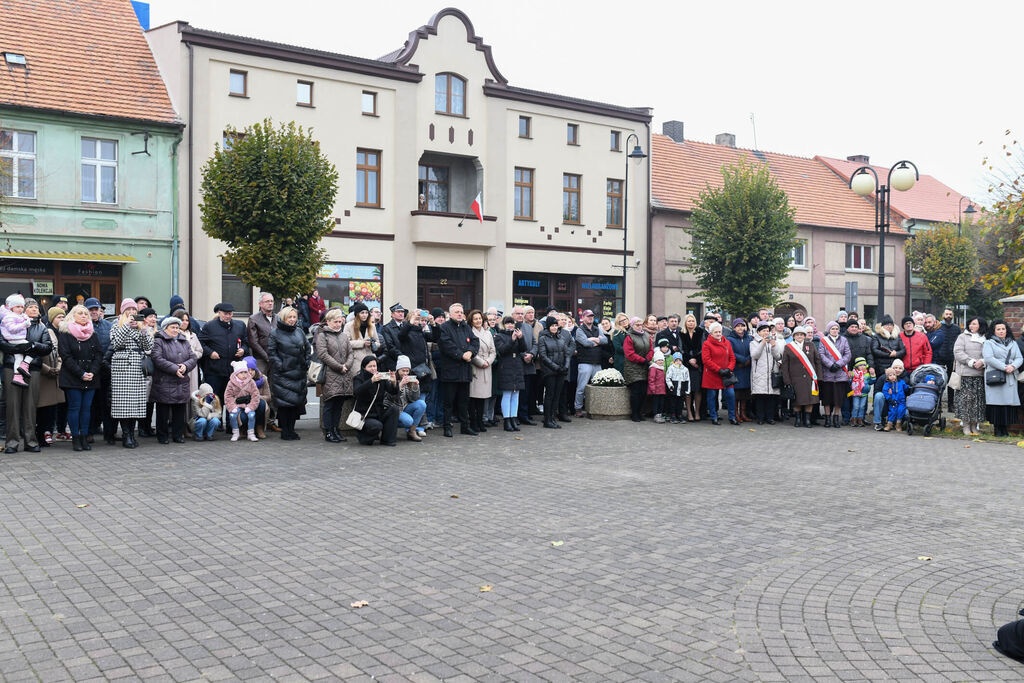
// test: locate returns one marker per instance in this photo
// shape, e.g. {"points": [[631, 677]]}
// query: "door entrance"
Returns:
{"points": [[442, 287]]}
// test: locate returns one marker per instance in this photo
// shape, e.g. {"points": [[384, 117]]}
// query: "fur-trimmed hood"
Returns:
{"points": [[884, 334]]}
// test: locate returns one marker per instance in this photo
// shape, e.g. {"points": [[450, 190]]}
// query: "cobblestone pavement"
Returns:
{"points": [[615, 551]]}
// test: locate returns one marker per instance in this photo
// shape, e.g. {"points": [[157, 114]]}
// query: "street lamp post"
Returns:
{"points": [[902, 176], [960, 211], [637, 155]]}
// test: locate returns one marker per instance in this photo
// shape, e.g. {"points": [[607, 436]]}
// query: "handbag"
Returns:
{"points": [[356, 420], [729, 379], [316, 374], [994, 377], [777, 380], [479, 362], [147, 366], [954, 381], [422, 370]]}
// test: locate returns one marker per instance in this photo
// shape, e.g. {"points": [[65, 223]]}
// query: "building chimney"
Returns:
{"points": [[725, 139], [673, 129], [858, 158]]}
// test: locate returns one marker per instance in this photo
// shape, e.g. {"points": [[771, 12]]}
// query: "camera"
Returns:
{"points": [[139, 318]]}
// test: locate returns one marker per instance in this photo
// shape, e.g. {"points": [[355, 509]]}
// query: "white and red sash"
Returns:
{"points": [[833, 351], [808, 365]]}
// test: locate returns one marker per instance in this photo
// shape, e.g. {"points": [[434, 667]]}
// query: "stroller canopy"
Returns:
{"points": [[920, 372]]}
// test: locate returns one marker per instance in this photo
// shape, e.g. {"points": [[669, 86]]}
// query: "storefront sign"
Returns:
{"points": [[611, 286], [82, 269], [12, 267], [532, 284], [350, 271], [520, 301], [42, 287]]}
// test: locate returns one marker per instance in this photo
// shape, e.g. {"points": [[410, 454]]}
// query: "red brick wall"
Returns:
{"points": [[1014, 314]]}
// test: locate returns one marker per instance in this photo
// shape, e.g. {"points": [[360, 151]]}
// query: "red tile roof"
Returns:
{"points": [[927, 200], [680, 171], [83, 56]]}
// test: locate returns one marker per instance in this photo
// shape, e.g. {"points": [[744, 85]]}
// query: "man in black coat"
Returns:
{"points": [[950, 332], [391, 335], [224, 340], [458, 345]]}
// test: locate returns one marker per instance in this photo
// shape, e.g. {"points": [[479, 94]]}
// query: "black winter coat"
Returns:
{"points": [[860, 347], [78, 358], [455, 339], [37, 345], [289, 360], [551, 356], [508, 371], [370, 396], [949, 334], [389, 334], [412, 340], [168, 353], [692, 347], [225, 339], [882, 344]]}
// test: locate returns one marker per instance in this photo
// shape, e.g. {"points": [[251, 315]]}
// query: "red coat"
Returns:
{"points": [[316, 309], [919, 350], [656, 381], [716, 354]]}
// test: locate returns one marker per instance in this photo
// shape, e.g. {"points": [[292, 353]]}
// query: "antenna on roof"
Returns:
{"points": [[754, 128]]}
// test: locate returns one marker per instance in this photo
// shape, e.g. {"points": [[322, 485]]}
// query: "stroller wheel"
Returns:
{"points": [[909, 428], [928, 430]]}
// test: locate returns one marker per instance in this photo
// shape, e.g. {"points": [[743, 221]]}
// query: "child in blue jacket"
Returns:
{"points": [[895, 393]]}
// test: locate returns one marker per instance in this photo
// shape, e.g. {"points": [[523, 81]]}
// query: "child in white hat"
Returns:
{"points": [[15, 324]]}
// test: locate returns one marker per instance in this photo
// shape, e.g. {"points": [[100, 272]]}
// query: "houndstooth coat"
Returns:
{"points": [[129, 388]]}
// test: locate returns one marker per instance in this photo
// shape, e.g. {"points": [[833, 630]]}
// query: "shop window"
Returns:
{"points": [[343, 284], [17, 164], [236, 292], [99, 171]]}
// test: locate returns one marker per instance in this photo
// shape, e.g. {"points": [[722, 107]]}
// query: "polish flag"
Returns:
{"points": [[477, 208]]}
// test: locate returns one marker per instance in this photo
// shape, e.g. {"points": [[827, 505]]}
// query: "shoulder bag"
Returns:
{"points": [[994, 377], [356, 420], [316, 374], [421, 371], [954, 381]]}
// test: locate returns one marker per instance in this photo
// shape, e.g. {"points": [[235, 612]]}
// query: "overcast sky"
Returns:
{"points": [[907, 79]]}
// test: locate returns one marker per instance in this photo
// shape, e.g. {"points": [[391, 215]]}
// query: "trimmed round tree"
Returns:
{"points": [[946, 261], [268, 193], [741, 238]]}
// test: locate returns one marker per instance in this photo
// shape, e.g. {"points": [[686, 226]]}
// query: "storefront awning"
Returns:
{"points": [[68, 256]]}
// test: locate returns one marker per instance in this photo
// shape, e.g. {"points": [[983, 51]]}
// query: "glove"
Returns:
{"points": [[835, 367], [724, 372]]}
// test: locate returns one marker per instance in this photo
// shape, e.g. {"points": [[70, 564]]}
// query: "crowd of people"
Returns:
{"points": [[72, 375]]}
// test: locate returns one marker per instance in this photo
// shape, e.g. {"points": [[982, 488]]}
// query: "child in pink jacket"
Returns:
{"points": [[15, 324], [656, 385], [241, 395]]}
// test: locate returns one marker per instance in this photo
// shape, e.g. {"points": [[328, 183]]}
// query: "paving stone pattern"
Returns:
{"points": [[687, 552]]}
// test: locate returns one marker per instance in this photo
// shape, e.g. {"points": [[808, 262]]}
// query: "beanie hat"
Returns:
{"points": [[799, 329], [250, 363], [549, 321], [677, 356], [176, 302], [239, 366], [204, 389], [403, 362], [898, 365], [859, 361], [887, 320], [663, 342], [127, 303], [29, 301], [54, 312], [436, 312], [357, 307], [147, 312], [168, 321], [15, 300], [842, 311], [658, 356], [736, 322], [830, 324], [906, 319]]}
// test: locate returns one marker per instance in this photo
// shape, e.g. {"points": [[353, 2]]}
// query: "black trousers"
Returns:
{"points": [[218, 383], [384, 426], [456, 399], [566, 398], [552, 389], [949, 392], [525, 396], [100, 417], [677, 405], [764, 406], [287, 416], [476, 412], [170, 415], [637, 394], [331, 414]]}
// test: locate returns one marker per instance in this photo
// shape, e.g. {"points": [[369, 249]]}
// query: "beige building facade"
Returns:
{"points": [[417, 136]]}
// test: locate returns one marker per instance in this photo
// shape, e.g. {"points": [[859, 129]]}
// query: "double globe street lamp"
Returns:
{"points": [[864, 181]]}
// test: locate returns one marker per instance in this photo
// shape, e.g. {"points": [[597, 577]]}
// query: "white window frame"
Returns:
{"points": [[864, 249], [96, 165], [15, 156], [800, 248]]}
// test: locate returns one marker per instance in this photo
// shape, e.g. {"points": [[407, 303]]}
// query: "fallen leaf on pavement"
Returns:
{"points": [[519, 438], [358, 604], [924, 558], [557, 543], [851, 450], [486, 588], [753, 430], [1021, 444], [967, 445], [83, 505], [927, 438], [453, 496]]}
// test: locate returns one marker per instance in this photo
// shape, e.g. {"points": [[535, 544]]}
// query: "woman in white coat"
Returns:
{"points": [[765, 361], [480, 387]]}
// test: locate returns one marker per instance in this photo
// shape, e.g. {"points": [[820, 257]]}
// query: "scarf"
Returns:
{"points": [[80, 332], [975, 337], [806, 362]]}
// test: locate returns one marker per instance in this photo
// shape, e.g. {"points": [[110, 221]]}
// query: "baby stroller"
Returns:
{"points": [[923, 405]]}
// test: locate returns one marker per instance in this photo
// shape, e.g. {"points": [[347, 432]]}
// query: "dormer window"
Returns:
{"points": [[450, 94]]}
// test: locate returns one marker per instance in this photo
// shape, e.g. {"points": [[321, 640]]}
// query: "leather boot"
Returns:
{"points": [[338, 438], [76, 443], [836, 423], [515, 423], [508, 425], [129, 439], [807, 420], [448, 430], [260, 434], [797, 421], [828, 421], [328, 436], [525, 421]]}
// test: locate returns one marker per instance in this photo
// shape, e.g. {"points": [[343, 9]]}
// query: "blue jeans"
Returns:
{"points": [[847, 409], [249, 416], [411, 416], [860, 406], [711, 397], [205, 428], [435, 403], [879, 407], [585, 372], [510, 403], [79, 404]]}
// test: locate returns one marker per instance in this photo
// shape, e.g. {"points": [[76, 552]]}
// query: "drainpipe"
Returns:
{"points": [[650, 163], [191, 120], [174, 216]]}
